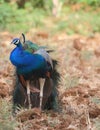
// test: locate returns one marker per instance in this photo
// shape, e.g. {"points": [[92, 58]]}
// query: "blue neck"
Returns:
{"points": [[20, 45]]}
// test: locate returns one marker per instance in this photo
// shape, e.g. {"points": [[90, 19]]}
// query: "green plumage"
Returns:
{"points": [[30, 46]]}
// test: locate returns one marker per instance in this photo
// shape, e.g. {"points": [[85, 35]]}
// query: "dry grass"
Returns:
{"points": [[79, 90]]}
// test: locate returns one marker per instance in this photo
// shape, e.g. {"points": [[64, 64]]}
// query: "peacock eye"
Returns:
{"points": [[17, 42]]}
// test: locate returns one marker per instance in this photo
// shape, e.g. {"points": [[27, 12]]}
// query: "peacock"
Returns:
{"points": [[36, 75]]}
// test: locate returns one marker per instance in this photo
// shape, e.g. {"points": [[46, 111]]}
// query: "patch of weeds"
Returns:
{"points": [[53, 121], [15, 20], [72, 82], [69, 81], [25, 20], [97, 124], [95, 23], [6, 15], [79, 22], [7, 122], [95, 100], [61, 25], [64, 26], [86, 55]]}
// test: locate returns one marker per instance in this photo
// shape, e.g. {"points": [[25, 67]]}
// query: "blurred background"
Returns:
{"points": [[53, 16]]}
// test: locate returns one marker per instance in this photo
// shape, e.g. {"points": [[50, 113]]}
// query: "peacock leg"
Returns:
{"points": [[28, 94], [42, 82]]}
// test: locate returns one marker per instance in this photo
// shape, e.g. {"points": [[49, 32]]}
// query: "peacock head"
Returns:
{"points": [[16, 41]]}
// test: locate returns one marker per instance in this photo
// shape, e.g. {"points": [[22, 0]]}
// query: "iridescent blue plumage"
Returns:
{"points": [[27, 62]]}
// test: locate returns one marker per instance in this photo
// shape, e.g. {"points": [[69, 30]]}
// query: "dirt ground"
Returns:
{"points": [[79, 89]]}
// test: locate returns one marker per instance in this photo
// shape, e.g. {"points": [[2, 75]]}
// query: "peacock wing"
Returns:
{"points": [[46, 56], [30, 46]]}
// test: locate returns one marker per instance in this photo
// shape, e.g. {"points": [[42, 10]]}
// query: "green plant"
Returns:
{"points": [[95, 100], [16, 20], [7, 15], [79, 22], [95, 3], [7, 122], [97, 124], [38, 3], [86, 55], [91, 2]]}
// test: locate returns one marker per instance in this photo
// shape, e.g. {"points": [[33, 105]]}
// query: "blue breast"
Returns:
{"points": [[26, 62]]}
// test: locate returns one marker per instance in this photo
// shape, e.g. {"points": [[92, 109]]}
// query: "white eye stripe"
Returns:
{"points": [[17, 42]]}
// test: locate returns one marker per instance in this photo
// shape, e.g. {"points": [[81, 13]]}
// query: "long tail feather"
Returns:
{"points": [[52, 102]]}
